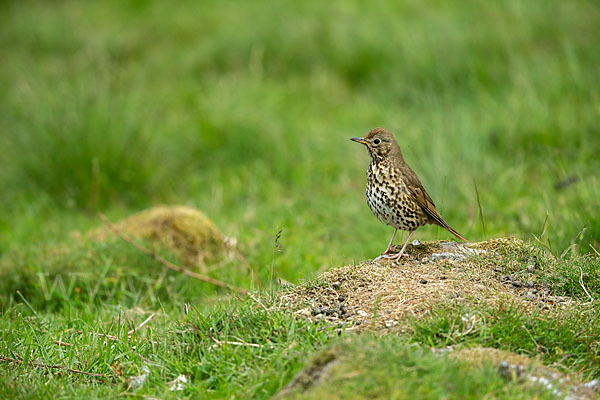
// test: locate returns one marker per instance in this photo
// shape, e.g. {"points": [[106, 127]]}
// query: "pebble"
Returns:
{"points": [[423, 281], [510, 372], [530, 268], [362, 313], [447, 255], [390, 322], [516, 283], [593, 384], [455, 295], [341, 298], [529, 284], [416, 242]]}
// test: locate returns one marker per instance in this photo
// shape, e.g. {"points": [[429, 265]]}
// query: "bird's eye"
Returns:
{"points": [[376, 141]]}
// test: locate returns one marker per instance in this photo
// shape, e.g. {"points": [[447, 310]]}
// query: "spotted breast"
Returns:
{"points": [[389, 199]]}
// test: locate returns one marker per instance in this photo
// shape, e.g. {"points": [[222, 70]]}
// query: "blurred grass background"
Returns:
{"points": [[244, 110]]}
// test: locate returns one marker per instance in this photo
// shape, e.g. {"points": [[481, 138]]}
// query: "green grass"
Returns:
{"points": [[410, 372], [203, 346], [244, 110], [566, 339]]}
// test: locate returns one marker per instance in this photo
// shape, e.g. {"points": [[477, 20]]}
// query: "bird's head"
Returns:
{"points": [[380, 143]]}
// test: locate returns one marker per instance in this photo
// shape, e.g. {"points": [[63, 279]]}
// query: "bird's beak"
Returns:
{"points": [[359, 140]]}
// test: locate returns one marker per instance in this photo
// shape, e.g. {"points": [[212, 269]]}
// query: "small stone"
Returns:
{"points": [[530, 268], [362, 313], [529, 284], [341, 298], [443, 277], [531, 296], [516, 283], [390, 323], [447, 256], [416, 242], [503, 367], [317, 311], [593, 384], [423, 281], [455, 295]]}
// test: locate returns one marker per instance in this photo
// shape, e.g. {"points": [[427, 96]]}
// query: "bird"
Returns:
{"points": [[395, 194]]}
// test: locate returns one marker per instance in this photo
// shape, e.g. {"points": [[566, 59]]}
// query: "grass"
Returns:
{"points": [[566, 339], [410, 372], [207, 348], [244, 110]]}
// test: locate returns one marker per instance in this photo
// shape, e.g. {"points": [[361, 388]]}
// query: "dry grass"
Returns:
{"points": [[381, 295]]}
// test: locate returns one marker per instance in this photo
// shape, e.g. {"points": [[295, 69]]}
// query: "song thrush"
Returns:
{"points": [[394, 193]]}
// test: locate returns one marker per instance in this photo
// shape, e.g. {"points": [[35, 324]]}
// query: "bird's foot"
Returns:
{"points": [[390, 256]]}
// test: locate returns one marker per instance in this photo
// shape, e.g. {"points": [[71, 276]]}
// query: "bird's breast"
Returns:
{"points": [[389, 199]]}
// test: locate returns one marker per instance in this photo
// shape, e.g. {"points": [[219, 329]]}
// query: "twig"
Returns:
{"points": [[480, 209], [259, 302], [60, 367], [61, 343], [169, 264], [140, 326], [583, 286], [237, 343]]}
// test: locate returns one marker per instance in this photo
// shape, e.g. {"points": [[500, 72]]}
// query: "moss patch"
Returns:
{"points": [[186, 231]]}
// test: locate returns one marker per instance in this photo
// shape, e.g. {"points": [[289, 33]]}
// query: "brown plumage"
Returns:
{"points": [[394, 192]]}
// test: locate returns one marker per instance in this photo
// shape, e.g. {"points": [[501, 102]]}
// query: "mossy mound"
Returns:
{"points": [[185, 231]]}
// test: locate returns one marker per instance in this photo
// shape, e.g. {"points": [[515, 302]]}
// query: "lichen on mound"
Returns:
{"points": [[386, 294], [186, 231]]}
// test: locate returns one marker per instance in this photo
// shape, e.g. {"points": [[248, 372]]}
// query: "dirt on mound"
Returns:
{"points": [[383, 294], [186, 231]]}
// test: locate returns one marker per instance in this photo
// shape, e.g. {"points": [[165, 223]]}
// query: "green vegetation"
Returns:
{"points": [[410, 372], [244, 111]]}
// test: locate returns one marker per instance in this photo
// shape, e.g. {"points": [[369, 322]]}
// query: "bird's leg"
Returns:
{"points": [[387, 251], [397, 256]]}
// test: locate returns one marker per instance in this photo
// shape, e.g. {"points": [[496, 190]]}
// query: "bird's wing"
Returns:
{"points": [[420, 195]]}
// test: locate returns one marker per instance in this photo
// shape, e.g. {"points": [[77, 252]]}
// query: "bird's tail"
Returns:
{"points": [[438, 220], [452, 231]]}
